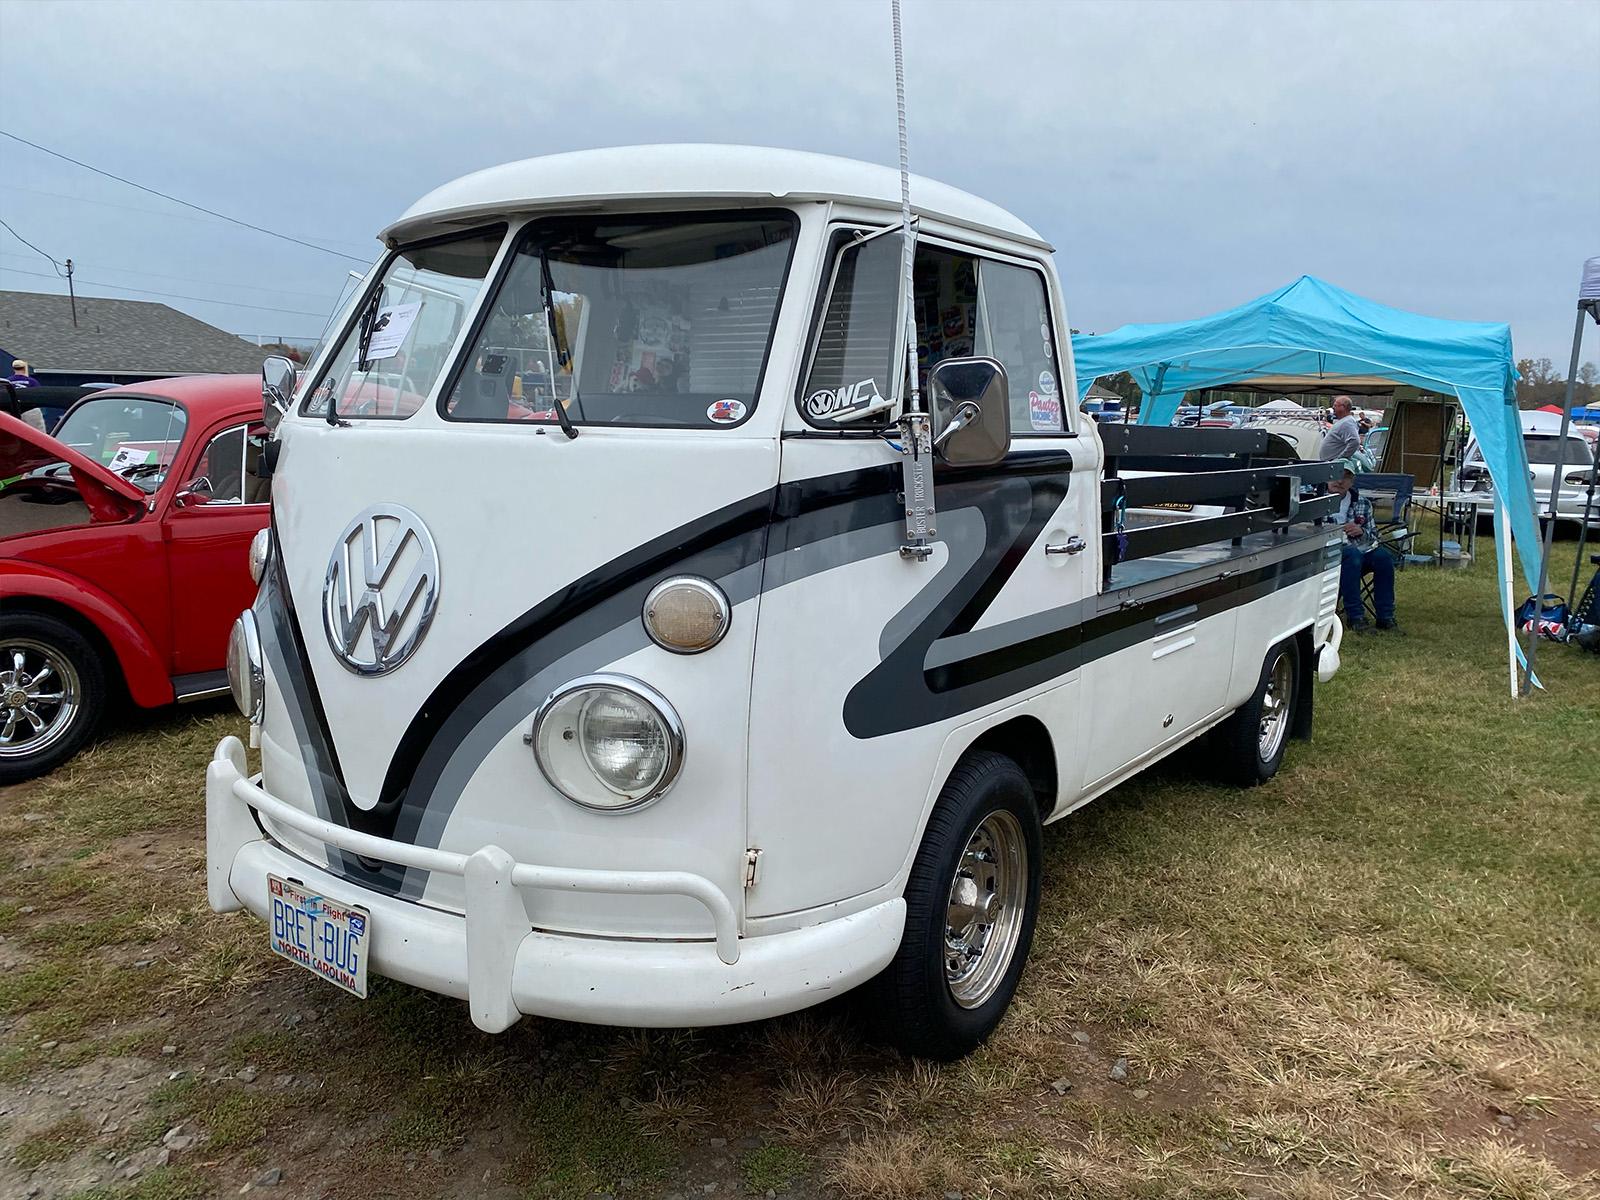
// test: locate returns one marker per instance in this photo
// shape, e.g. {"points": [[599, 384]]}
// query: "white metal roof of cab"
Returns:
{"points": [[690, 172]]}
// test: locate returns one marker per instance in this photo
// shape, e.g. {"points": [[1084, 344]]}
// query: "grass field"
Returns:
{"points": [[1377, 975]]}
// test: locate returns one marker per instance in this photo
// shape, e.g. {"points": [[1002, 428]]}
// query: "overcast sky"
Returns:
{"points": [[1182, 157]]}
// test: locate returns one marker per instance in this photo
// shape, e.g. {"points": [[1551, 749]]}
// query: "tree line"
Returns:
{"points": [[1543, 383]]}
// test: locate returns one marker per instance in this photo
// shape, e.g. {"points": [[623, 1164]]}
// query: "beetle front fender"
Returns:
{"points": [[142, 667]]}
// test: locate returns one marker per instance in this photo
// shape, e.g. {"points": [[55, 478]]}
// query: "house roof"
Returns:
{"points": [[694, 173], [117, 337]]}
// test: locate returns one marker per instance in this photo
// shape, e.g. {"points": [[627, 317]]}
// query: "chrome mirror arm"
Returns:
{"points": [[964, 416]]}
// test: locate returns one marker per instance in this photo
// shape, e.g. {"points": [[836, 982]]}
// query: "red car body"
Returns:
{"points": [[156, 578]]}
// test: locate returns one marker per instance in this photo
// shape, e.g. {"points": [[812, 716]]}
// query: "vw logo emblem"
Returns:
{"points": [[383, 580]]}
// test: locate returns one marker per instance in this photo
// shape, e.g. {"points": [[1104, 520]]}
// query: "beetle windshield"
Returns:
{"points": [[393, 353], [659, 321], [134, 436]]}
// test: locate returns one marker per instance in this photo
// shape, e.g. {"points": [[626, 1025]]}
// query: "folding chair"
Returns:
{"points": [[1394, 534]]}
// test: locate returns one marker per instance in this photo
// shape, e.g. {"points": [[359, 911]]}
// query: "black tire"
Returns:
{"points": [[913, 1001], [1245, 754], [44, 640]]}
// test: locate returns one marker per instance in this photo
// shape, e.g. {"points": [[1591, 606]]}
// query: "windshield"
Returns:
{"points": [[402, 336], [1542, 450], [659, 321], [134, 436]]}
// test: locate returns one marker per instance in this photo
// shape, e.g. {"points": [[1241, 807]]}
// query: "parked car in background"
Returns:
{"points": [[123, 556], [1541, 439]]}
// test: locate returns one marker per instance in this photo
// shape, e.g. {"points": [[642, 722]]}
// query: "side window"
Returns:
{"points": [[219, 475], [256, 489], [1016, 322], [857, 347]]}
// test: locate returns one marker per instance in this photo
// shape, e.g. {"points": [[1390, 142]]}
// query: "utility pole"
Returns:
{"points": [[72, 295]]}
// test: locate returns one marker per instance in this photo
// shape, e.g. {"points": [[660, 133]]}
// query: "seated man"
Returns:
{"points": [[1361, 555]]}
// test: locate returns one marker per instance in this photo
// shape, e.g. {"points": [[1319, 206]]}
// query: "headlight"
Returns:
{"points": [[608, 742], [246, 677], [260, 547], [686, 614]]}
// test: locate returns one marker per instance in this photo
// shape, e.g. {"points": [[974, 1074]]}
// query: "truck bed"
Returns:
{"points": [[1228, 508]]}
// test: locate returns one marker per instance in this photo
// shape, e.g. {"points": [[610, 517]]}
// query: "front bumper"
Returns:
{"points": [[492, 956]]}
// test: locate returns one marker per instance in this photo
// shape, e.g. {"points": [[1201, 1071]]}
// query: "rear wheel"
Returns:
{"points": [[52, 693], [1253, 740], [971, 902]]}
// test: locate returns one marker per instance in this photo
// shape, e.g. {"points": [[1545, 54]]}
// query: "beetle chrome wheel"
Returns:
{"points": [[987, 898], [1275, 707], [39, 697]]}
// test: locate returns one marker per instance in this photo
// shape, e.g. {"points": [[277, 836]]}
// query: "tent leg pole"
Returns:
{"points": [[1555, 495], [1505, 555]]}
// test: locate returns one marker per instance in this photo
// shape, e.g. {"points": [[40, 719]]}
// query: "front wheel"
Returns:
{"points": [[971, 902], [1253, 740], [52, 692]]}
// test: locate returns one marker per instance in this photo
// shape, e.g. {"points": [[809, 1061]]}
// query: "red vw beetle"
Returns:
{"points": [[124, 556]]}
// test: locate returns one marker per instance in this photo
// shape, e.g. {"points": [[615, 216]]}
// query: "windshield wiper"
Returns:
{"points": [[548, 287], [368, 326]]}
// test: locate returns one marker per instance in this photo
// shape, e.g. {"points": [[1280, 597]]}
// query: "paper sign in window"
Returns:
{"points": [[390, 329]]}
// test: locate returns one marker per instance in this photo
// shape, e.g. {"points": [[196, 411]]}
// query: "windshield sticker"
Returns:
{"points": [[390, 329], [1047, 383], [834, 405], [726, 412], [1044, 412]]}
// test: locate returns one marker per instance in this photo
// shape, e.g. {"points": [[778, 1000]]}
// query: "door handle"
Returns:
{"points": [[1074, 545]]}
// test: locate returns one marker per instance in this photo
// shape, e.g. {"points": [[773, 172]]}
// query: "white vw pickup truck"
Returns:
{"points": [[640, 641]]}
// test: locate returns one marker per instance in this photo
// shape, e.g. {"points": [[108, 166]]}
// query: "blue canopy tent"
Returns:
{"points": [[1315, 330]]}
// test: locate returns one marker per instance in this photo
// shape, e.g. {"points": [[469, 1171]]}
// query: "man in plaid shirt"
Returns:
{"points": [[1361, 555]]}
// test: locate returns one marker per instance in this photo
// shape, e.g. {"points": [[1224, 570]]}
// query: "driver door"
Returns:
{"points": [[218, 507]]}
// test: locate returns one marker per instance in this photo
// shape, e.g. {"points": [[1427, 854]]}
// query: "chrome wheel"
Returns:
{"points": [[984, 917], [1275, 707], [39, 697]]}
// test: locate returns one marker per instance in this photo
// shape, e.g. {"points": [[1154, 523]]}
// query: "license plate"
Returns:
{"points": [[324, 936]]}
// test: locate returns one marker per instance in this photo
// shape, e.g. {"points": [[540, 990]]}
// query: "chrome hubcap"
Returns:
{"points": [[38, 697], [1275, 707], [984, 917]]}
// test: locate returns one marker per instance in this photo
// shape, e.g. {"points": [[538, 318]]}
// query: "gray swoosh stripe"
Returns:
{"points": [[997, 637]]}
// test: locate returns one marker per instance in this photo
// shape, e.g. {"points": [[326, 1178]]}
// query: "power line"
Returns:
{"points": [[35, 249], [198, 208], [149, 212], [173, 295], [142, 274]]}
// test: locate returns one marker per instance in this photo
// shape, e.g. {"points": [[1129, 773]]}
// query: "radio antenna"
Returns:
{"points": [[916, 427], [906, 249]]}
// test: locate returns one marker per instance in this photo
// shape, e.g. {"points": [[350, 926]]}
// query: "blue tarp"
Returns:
{"points": [[1316, 330]]}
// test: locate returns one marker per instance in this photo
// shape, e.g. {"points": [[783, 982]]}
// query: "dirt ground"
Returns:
{"points": [[1377, 975]]}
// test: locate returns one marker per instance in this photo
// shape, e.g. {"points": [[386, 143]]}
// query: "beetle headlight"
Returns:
{"points": [[260, 547], [247, 678], [608, 742]]}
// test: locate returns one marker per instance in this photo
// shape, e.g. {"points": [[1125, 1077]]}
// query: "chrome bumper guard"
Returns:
{"points": [[495, 917]]}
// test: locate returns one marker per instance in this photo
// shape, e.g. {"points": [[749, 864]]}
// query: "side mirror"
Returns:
{"points": [[277, 390], [971, 411]]}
